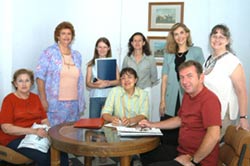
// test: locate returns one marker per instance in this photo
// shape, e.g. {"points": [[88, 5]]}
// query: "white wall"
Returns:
{"points": [[28, 26]]}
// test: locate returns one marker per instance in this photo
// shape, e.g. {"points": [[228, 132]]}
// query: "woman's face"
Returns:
{"points": [[137, 42], [128, 81], [23, 83], [180, 36], [65, 37], [218, 41], [102, 49]]}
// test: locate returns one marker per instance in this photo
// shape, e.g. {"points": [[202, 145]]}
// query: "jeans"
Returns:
{"points": [[40, 158], [95, 106]]}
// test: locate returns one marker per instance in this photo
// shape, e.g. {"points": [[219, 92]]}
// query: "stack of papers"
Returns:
{"points": [[138, 131]]}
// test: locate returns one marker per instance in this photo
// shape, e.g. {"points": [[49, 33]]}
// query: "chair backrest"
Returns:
{"points": [[13, 157], [236, 148]]}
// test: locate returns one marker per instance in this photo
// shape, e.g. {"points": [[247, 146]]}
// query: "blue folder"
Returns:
{"points": [[106, 68]]}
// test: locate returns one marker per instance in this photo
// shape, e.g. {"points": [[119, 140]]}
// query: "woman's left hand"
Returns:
{"points": [[243, 124]]}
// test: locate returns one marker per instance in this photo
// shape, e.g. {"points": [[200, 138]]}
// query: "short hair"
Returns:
{"points": [[190, 63], [22, 71], [128, 70], [63, 25]]}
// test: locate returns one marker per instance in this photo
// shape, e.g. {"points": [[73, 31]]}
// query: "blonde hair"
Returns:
{"points": [[172, 46]]}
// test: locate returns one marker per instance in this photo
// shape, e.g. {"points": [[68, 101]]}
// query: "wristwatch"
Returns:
{"points": [[193, 162], [244, 116]]}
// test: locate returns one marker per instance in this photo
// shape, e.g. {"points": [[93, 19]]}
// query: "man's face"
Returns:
{"points": [[190, 81]]}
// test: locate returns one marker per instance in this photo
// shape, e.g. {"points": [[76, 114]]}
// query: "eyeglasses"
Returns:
{"points": [[220, 37]]}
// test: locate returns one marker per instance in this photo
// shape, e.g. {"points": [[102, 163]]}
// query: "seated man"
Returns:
{"points": [[199, 120], [126, 104]]}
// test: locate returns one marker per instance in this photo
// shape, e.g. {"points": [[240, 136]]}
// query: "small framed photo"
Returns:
{"points": [[158, 46], [163, 15]]}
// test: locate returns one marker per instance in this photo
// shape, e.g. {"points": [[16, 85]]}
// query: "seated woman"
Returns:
{"points": [[20, 110], [126, 104]]}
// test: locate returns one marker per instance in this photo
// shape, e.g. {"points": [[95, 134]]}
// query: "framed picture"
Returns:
{"points": [[163, 15], [157, 45]]}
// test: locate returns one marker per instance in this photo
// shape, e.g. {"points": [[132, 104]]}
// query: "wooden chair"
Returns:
{"points": [[236, 148], [13, 157]]}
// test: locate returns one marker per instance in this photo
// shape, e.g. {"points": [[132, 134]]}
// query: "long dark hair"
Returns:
{"points": [[145, 48]]}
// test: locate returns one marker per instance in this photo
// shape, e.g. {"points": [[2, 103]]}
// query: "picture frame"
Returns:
{"points": [[158, 46], [163, 15]]}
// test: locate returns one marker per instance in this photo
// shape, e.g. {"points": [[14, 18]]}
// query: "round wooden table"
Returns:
{"points": [[96, 143]]}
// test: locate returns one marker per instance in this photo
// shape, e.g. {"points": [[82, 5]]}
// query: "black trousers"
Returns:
{"points": [[161, 153], [166, 163], [170, 137]]}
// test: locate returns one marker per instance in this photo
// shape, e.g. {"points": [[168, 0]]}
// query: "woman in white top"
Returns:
{"points": [[224, 75], [98, 88]]}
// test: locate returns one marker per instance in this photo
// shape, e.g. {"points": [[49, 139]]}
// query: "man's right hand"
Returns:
{"points": [[145, 123]]}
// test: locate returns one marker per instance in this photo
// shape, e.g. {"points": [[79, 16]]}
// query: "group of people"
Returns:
{"points": [[197, 102]]}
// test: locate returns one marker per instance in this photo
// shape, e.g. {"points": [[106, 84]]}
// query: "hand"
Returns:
{"points": [[41, 132], [102, 83], [184, 160], [125, 121], [145, 123], [115, 121], [162, 108], [243, 124]]}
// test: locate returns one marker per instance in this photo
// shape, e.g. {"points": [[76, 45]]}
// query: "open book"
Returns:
{"points": [[138, 131], [135, 131]]}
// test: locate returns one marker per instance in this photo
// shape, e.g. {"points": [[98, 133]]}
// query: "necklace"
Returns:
{"points": [[211, 61], [180, 54], [67, 63]]}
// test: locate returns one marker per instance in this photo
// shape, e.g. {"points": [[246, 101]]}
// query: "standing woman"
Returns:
{"points": [[140, 59], [179, 49], [60, 79], [224, 75], [98, 88]]}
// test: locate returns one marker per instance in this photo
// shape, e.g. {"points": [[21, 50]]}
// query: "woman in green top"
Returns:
{"points": [[179, 49]]}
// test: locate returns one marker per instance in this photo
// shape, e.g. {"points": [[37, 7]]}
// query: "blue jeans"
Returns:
{"points": [[95, 106], [40, 158]]}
